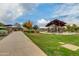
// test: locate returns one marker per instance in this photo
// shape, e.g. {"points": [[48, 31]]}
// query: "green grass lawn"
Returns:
{"points": [[49, 43]]}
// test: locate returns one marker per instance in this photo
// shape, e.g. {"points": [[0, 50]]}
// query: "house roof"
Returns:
{"points": [[56, 22], [8, 25]]}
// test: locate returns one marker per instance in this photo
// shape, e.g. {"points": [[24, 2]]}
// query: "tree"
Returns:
{"points": [[77, 29], [35, 27], [28, 24], [68, 28], [1, 24], [72, 28]]}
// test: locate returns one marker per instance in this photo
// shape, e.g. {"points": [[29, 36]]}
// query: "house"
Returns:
{"points": [[43, 29], [9, 27], [56, 26], [15, 27]]}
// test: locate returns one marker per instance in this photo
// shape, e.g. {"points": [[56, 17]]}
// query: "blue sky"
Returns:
{"points": [[42, 11], [39, 13]]}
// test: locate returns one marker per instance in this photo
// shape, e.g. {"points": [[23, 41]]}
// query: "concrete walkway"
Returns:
{"points": [[69, 46], [17, 44]]}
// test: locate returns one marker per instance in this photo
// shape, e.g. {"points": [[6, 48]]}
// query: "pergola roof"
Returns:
{"points": [[56, 22]]}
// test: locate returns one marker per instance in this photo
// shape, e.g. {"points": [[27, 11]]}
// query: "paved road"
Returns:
{"points": [[17, 44]]}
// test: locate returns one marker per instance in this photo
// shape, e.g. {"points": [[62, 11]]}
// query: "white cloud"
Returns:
{"points": [[67, 9], [9, 12], [42, 22], [70, 10]]}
